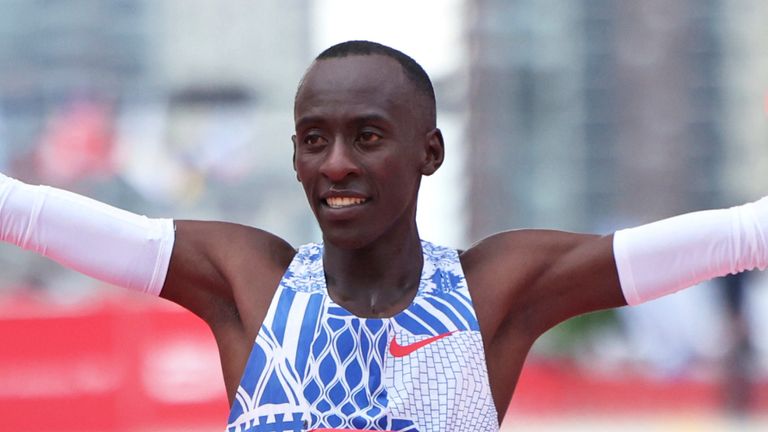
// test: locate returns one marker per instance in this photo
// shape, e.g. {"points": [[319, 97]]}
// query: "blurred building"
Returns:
{"points": [[745, 97], [229, 71], [523, 113], [592, 115]]}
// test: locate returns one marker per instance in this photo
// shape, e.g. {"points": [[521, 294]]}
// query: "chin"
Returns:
{"points": [[348, 239]]}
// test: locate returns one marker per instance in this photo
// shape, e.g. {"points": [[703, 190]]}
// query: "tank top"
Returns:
{"points": [[317, 366]]}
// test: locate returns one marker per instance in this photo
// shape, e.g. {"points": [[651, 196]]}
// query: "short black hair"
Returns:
{"points": [[413, 70]]}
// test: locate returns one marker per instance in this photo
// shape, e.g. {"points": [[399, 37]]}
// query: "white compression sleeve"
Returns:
{"points": [[88, 236], [666, 256]]}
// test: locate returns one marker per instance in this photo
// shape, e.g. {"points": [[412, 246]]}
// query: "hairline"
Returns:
{"points": [[419, 79]]}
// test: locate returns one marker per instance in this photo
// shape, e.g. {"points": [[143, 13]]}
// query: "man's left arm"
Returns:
{"points": [[571, 274], [663, 257]]}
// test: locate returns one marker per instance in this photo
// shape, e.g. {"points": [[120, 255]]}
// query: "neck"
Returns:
{"points": [[376, 280]]}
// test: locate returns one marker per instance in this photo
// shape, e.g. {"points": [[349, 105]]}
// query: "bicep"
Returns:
{"points": [[194, 276], [538, 278], [579, 276]]}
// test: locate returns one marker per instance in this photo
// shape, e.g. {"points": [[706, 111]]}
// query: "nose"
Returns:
{"points": [[339, 162]]}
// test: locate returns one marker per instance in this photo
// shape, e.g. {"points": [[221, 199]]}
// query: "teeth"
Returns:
{"points": [[339, 202]]}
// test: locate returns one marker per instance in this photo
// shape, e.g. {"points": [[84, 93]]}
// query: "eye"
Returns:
{"points": [[313, 140], [368, 137]]}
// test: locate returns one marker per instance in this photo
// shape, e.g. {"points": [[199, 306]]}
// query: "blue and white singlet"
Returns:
{"points": [[316, 365]]}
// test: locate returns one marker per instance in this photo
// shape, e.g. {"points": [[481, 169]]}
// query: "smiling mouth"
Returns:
{"points": [[342, 202]]}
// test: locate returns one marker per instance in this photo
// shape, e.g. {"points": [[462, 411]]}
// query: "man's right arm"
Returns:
{"points": [[85, 235], [195, 264]]}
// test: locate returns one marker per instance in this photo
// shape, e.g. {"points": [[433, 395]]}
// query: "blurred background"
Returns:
{"points": [[588, 115]]}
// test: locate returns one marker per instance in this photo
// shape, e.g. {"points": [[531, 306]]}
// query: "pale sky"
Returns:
{"points": [[427, 30]]}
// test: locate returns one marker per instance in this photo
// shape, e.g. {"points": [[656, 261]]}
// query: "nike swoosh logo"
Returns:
{"points": [[398, 350]]}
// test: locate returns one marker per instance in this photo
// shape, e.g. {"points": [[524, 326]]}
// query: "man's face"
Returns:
{"points": [[360, 148]]}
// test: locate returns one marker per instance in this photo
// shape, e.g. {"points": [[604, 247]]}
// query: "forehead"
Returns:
{"points": [[350, 84]]}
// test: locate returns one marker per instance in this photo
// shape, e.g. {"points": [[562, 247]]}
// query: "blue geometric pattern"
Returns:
{"points": [[343, 382], [316, 365]]}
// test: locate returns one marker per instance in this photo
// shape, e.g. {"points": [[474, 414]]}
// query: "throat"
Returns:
{"points": [[376, 281], [380, 301]]}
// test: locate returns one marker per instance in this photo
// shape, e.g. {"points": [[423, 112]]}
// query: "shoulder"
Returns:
{"points": [[217, 263], [231, 243], [518, 250]]}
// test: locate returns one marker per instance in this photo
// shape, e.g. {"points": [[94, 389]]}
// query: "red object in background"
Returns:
{"points": [[76, 143], [551, 388], [110, 365]]}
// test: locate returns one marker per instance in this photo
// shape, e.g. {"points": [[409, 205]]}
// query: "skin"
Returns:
{"points": [[361, 132]]}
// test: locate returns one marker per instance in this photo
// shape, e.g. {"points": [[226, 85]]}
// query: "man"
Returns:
{"points": [[375, 329]]}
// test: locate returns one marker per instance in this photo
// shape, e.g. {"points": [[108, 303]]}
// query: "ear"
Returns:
{"points": [[435, 152], [293, 140]]}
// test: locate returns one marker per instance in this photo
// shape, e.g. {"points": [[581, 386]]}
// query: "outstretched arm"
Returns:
{"points": [[198, 265], [88, 236], [531, 280]]}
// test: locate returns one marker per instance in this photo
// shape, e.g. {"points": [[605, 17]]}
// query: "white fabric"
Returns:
{"points": [[88, 236], [666, 256]]}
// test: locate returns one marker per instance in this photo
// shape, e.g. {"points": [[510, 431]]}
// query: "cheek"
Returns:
{"points": [[399, 178], [304, 176], [303, 166]]}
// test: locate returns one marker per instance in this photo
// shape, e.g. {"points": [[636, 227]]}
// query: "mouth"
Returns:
{"points": [[336, 202]]}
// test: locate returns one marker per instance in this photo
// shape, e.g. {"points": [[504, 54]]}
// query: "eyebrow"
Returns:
{"points": [[371, 117], [381, 120]]}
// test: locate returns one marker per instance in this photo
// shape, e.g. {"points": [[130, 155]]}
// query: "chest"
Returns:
{"points": [[317, 362]]}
